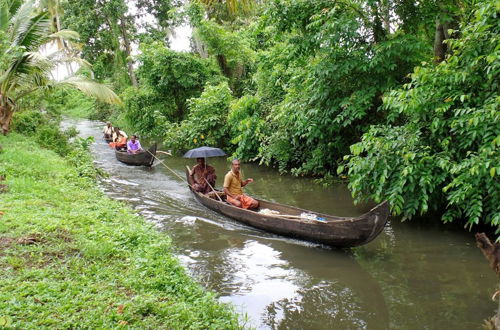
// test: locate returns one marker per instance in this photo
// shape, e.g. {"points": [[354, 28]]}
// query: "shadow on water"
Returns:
{"points": [[411, 277]]}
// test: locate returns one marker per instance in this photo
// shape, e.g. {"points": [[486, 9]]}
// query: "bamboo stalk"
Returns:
{"points": [[168, 167], [293, 217]]}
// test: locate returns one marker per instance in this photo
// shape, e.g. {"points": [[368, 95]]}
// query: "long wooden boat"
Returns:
{"points": [[145, 158], [329, 230]]}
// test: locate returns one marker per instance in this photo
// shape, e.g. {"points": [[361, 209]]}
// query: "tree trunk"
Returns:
{"points": [[386, 15], [378, 31], [6, 112], [128, 51], [490, 250], [199, 47], [221, 59], [440, 36]]}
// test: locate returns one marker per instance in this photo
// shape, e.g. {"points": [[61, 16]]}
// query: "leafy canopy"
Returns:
{"points": [[446, 154]]}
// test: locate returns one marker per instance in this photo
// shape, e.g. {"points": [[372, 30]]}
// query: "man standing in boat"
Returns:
{"points": [[133, 146], [203, 176], [108, 131], [233, 184]]}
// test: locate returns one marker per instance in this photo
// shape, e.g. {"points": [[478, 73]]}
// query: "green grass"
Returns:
{"points": [[71, 257]]}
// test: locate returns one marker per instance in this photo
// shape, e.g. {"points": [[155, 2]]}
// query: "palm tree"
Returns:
{"points": [[23, 69]]}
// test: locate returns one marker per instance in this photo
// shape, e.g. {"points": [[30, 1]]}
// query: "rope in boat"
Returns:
{"points": [[171, 170]]}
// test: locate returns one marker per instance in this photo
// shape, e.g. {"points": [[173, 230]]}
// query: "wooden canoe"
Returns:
{"points": [[333, 231], [145, 158]]}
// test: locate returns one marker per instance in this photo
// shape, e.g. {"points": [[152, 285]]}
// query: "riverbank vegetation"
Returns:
{"points": [[71, 257], [398, 97]]}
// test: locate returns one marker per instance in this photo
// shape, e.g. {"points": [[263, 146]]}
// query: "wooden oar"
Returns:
{"points": [[164, 152]]}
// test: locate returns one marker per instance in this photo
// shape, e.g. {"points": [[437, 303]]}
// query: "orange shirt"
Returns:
{"points": [[233, 183]]}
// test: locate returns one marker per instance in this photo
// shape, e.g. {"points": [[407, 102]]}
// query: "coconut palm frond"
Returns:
{"points": [[16, 67], [92, 88], [4, 16], [35, 79], [63, 57], [37, 57], [35, 32], [14, 5], [82, 62], [20, 19], [65, 34], [29, 62]]}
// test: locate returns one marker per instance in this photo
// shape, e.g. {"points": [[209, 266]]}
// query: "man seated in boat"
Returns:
{"points": [[203, 176], [119, 139], [108, 131], [233, 184], [133, 145]]}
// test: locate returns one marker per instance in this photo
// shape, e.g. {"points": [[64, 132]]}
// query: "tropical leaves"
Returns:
{"points": [[26, 29], [92, 88]]}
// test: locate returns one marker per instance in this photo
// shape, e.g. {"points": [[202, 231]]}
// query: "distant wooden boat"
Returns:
{"points": [[145, 158], [327, 229]]}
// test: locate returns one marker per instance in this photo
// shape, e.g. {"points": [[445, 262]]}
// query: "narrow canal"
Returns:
{"points": [[413, 276]]}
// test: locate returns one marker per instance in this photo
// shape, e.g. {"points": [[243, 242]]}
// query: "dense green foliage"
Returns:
{"points": [[206, 123], [231, 50], [44, 129], [247, 126], [446, 154], [70, 103], [24, 69], [336, 79], [168, 79], [93, 263]]}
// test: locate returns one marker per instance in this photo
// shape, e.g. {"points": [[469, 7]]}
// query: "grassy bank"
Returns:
{"points": [[71, 257]]}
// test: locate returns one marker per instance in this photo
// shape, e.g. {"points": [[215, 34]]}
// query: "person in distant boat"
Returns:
{"points": [[108, 131], [119, 139], [133, 145], [201, 174], [233, 184]]}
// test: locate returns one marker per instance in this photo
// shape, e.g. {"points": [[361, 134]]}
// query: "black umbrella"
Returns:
{"points": [[203, 152]]}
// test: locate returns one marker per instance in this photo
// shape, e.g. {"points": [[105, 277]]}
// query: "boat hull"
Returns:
{"points": [[334, 231], [145, 158]]}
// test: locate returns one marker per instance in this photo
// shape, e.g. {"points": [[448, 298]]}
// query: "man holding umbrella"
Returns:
{"points": [[202, 175]]}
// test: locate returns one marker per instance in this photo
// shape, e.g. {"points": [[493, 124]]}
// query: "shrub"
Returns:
{"points": [[247, 127], [146, 111], [27, 122], [70, 102], [207, 120], [81, 159], [446, 155], [51, 137]]}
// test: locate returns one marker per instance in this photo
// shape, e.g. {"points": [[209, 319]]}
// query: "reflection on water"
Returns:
{"points": [[411, 277]]}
